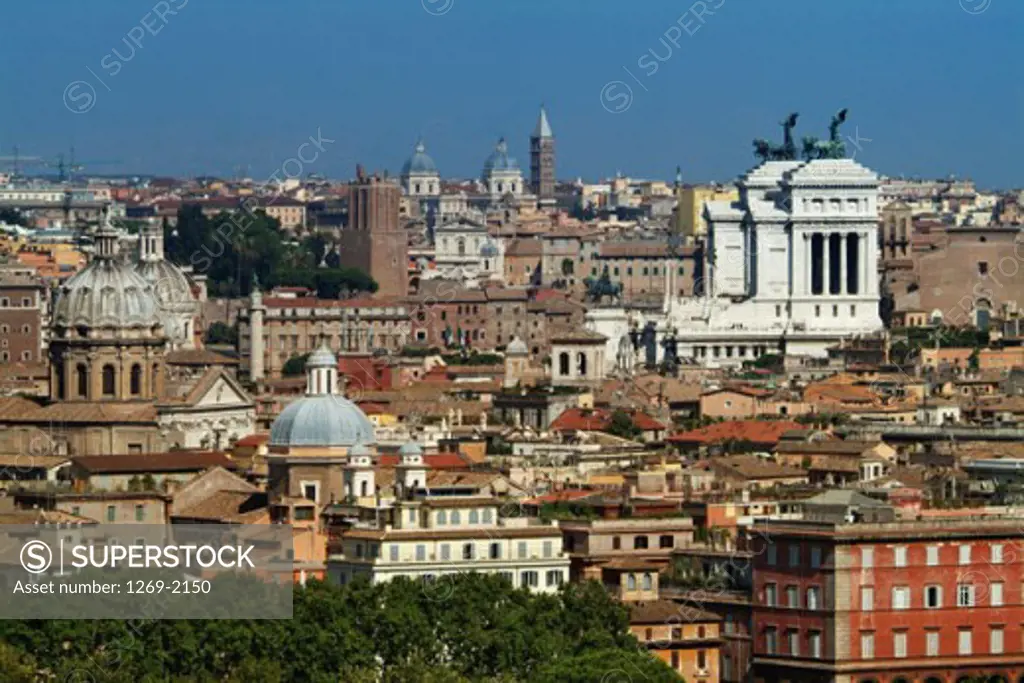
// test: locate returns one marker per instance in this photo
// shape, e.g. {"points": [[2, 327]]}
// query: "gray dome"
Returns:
{"points": [[322, 358], [106, 293], [488, 250], [410, 448], [500, 160], [516, 347], [171, 288], [322, 420], [360, 449], [420, 162]]}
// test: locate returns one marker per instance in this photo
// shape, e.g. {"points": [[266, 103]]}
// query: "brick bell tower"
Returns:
{"points": [[542, 161]]}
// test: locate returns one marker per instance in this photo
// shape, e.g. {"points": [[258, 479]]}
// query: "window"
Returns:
{"points": [[814, 644], [771, 642], [421, 552], [442, 518], [111, 513], [108, 380], [794, 556], [675, 660], [900, 556], [996, 554], [815, 557], [521, 548], [813, 597], [995, 592], [631, 582], [468, 551], [965, 595], [792, 597], [136, 380], [899, 643], [412, 516], [495, 553], [310, 489], [867, 557], [616, 543], [964, 641], [140, 513], [982, 267], [817, 311], [932, 555], [867, 598], [666, 542], [456, 517], [769, 594], [793, 641], [677, 633], [474, 517], [639, 543], [554, 578], [393, 552], [446, 552], [867, 645], [772, 555], [529, 579], [931, 643], [933, 597], [965, 554], [83, 381], [547, 549], [648, 583], [995, 640], [900, 597]]}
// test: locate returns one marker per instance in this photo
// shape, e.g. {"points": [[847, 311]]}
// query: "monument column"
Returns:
{"points": [[826, 256], [842, 262], [808, 263]]}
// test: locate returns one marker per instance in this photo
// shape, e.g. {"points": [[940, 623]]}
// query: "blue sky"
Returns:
{"points": [[932, 88]]}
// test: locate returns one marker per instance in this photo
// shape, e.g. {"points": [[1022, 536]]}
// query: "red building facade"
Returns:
{"points": [[924, 601]]}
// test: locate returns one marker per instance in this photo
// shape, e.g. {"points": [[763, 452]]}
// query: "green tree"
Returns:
{"points": [[607, 665], [294, 366], [220, 333], [622, 425]]}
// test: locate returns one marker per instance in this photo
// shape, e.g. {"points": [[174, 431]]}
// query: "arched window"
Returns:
{"points": [[462, 246], [648, 581], [474, 517], [61, 384], [136, 379], [83, 380], [456, 517], [563, 363], [364, 488], [442, 517], [581, 364], [109, 377], [631, 582]]}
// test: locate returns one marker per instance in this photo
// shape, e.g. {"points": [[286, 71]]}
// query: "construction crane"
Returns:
{"points": [[67, 166], [16, 161]]}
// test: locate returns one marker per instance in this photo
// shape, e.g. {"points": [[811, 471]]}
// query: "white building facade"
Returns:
{"points": [[789, 268], [432, 538]]}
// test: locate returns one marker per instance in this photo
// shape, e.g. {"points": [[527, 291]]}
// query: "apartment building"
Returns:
{"points": [[936, 601]]}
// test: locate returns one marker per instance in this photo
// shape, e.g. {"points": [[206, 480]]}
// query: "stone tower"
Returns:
{"points": [[542, 161], [374, 240], [256, 347]]}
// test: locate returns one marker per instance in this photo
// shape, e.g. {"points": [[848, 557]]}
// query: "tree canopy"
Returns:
{"points": [[294, 366], [460, 628], [232, 248]]}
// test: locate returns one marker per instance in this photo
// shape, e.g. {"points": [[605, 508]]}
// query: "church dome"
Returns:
{"points": [[325, 420], [516, 347], [106, 293], [322, 418], [420, 162], [171, 288], [500, 160]]}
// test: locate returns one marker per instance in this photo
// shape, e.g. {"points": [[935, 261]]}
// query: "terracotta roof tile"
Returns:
{"points": [[761, 432]]}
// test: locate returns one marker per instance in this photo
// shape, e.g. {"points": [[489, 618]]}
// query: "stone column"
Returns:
{"points": [[808, 257], [826, 256], [842, 262]]}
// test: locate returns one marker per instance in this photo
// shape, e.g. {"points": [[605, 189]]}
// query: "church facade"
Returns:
{"points": [[790, 268]]}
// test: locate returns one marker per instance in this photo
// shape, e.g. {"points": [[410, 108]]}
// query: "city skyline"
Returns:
{"points": [[173, 92]]}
